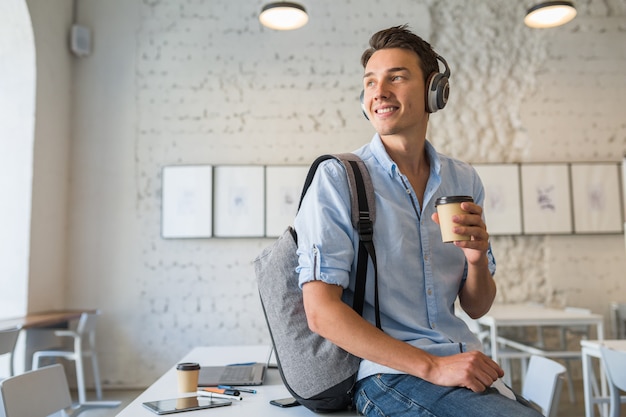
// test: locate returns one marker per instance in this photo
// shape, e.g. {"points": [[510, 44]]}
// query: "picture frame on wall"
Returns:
{"points": [[239, 201], [596, 198], [187, 201], [283, 188], [502, 205], [546, 198]]}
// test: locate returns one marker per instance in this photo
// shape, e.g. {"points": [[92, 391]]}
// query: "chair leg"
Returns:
{"points": [[614, 401], [96, 374], [570, 382], [80, 373], [80, 380]]}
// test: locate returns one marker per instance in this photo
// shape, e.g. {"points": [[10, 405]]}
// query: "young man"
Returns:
{"points": [[425, 361]]}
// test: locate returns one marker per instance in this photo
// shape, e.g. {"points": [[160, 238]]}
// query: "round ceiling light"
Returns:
{"points": [[283, 15], [549, 14]]}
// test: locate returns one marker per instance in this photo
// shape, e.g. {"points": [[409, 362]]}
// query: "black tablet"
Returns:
{"points": [[178, 405]]}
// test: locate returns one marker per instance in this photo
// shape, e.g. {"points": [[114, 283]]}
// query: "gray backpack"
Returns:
{"points": [[317, 373]]}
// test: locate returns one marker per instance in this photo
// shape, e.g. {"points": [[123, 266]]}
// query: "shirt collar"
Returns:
{"points": [[383, 158], [433, 157], [381, 155]]}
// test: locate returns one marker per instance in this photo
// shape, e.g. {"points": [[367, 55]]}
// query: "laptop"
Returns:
{"points": [[243, 374]]}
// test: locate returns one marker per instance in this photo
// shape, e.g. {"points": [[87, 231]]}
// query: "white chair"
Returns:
{"points": [[8, 339], [614, 363], [560, 351], [84, 346], [39, 393], [543, 383]]}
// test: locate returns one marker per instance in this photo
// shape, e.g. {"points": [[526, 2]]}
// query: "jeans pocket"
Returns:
{"points": [[365, 406]]}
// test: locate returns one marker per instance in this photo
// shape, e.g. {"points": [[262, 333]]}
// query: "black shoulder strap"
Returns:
{"points": [[363, 214]]}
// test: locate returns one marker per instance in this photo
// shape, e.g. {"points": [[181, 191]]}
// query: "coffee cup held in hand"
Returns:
{"points": [[447, 207]]}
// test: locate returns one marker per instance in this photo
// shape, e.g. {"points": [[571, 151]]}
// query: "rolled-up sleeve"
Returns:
{"points": [[325, 233]]}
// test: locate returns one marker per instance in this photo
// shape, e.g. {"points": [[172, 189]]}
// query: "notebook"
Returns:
{"points": [[245, 374]]}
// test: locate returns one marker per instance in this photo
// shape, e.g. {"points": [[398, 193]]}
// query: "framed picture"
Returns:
{"points": [[239, 201], [186, 203], [597, 198], [546, 199], [624, 187], [283, 187], [502, 206]]}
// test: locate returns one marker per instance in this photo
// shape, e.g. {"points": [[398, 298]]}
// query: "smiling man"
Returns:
{"points": [[424, 361]]}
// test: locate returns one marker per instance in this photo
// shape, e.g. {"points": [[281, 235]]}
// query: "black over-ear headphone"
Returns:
{"points": [[437, 90]]}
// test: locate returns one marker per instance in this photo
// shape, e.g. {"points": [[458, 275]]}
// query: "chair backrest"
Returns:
{"points": [[8, 339], [37, 393], [614, 362], [618, 319], [86, 327], [543, 383], [87, 323], [615, 366]]}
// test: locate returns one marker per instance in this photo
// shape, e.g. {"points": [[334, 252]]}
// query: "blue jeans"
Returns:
{"points": [[405, 395]]}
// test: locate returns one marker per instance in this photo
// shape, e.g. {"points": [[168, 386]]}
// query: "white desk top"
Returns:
{"points": [[536, 315], [252, 405]]}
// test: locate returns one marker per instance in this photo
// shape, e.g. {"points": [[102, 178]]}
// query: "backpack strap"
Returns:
{"points": [[363, 214], [361, 186]]}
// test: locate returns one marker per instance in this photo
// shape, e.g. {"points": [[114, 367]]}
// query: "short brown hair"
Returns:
{"points": [[402, 37]]}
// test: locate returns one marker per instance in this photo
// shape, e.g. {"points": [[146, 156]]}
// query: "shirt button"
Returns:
{"points": [[430, 291], [432, 325]]}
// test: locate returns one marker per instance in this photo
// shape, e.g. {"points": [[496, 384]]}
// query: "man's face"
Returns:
{"points": [[394, 92]]}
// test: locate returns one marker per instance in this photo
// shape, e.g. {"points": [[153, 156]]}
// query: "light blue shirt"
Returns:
{"points": [[419, 276]]}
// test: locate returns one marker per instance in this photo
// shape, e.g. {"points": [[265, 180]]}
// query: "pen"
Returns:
{"points": [[241, 364], [221, 390], [251, 391], [215, 395]]}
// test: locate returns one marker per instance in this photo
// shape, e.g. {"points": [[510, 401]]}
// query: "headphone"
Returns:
{"points": [[437, 90]]}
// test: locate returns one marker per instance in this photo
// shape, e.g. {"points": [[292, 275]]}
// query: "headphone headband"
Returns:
{"points": [[446, 72]]}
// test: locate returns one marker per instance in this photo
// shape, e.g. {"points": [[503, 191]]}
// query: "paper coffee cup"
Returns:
{"points": [[188, 373], [446, 208]]}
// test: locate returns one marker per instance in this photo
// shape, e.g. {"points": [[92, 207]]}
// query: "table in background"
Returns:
{"points": [[525, 315], [42, 320], [252, 405], [591, 349], [37, 322]]}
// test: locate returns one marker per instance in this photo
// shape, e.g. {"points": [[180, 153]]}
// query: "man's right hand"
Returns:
{"points": [[472, 370]]}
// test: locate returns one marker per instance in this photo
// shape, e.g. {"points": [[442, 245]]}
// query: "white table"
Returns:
{"points": [[252, 405], [591, 349], [523, 315]]}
